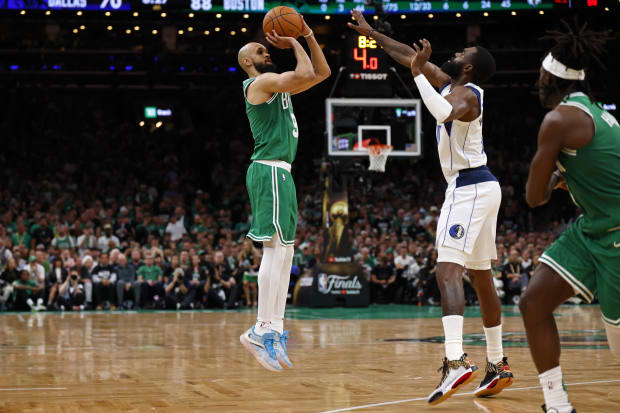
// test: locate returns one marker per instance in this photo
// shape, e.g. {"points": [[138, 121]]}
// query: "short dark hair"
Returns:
{"points": [[484, 65]]}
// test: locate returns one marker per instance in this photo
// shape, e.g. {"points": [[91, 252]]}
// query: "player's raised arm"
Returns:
{"points": [[303, 74], [400, 52], [319, 63], [460, 104]]}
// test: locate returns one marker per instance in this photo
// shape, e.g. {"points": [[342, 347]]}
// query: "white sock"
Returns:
{"points": [[277, 321], [453, 330], [495, 352], [264, 292], [554, 390]]}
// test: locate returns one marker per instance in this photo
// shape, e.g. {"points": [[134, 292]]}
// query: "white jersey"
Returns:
{"points": [[460, 143]]}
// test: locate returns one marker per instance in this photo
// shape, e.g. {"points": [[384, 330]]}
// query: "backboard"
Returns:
{"points": [[354, 123]]}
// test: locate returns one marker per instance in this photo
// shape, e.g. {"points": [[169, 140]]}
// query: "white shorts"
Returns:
{"points": [[467, 225]]}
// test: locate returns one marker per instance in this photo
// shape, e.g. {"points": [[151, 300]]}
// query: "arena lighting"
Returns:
{"points": [[243, 30], [56, 67], [541, 12], [135, 14], [402, 16], [182, 68], [48, 12], [375, 17], [207, 32], [158, 124], [191, 15], [112, 68], [180, 31], [514, 13], [217, 29], [246, 16], [458, 14], [107, 14], [232, 69], [79, 12], [328, 17], [14, 67], [190, 29], [82, 27], [22, 12], [163, 14], [485, 14], [218, 16], [136, 28], [232, 32], [141, 123], [128, 68], [128, 31], [75, 30], [154, 31], [430, 16], [606, 8], [109, 27]]}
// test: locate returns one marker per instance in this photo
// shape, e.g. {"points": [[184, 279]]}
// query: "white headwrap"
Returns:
{"points": [[560, 70]]}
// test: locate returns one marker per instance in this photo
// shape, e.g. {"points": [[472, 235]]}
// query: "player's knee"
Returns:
{"points": [[613, 338], [529, 303]]}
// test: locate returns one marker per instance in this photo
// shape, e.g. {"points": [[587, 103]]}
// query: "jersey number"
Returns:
{"points": [[286, 102]]}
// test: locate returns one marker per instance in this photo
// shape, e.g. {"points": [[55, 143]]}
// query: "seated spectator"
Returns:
{"points": [[150, 278], [223, 289], [249, 260], [196, 278], [25, 288], [71, 293], [407, 270], [104, 282], [515, 280], [86, 279], [179, 292], [7, 277], [383, 282], [428, 289], [63, 240], [54, 279], [108, 240], [126, 283]]}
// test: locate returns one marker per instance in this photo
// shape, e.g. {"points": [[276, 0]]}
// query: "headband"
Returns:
{"points": [[558, 69]]}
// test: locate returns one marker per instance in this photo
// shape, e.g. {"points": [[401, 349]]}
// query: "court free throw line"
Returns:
{"points": [[33, 388], [417, 399]]}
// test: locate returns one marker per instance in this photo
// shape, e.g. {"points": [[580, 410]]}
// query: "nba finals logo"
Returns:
{"points": [[323, 289]]}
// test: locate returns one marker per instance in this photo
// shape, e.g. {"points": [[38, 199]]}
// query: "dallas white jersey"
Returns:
{"points": [[460, 143]]}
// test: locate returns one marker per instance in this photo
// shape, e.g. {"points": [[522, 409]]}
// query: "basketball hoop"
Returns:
{"points": [[378, 154]]}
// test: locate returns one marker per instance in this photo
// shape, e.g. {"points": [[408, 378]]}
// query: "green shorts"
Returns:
{"points": [[589, 264], [273, 199], [251, 278]]}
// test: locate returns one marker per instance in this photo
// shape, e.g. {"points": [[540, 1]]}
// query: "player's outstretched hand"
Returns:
{"points": [[307, 30], [280, 42], [421, 56], [362, 26]]}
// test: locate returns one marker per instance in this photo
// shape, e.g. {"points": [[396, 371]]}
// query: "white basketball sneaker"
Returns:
{"points": [[454, 375]]}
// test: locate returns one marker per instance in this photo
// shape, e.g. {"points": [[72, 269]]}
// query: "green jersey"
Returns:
{"points": [[592, 173], [151, 273], [274, 127]]}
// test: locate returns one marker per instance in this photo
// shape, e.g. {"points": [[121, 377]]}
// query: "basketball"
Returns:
{"points": [[284, 20]]}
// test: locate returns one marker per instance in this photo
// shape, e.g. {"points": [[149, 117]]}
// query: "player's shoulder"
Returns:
{"points": [[566, 118], [467, 92]]}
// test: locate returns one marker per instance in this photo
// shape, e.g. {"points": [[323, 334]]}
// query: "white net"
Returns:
{"points": [[378, 155]]}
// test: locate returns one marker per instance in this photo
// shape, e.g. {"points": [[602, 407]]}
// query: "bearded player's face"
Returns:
{"points": [[454, 66], [262, 60]]}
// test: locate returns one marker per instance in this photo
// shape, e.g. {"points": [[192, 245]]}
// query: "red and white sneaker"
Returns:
{"points": [[498, 377], [454, 375]]}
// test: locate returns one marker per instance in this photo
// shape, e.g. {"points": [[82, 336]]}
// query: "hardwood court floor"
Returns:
{"points": [[193, 362]]}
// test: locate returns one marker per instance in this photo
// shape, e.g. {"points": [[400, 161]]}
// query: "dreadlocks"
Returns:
{"points": [[577, 48]]}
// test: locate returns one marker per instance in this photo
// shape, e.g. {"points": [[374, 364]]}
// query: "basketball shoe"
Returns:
{"points": [[498, 377], [554, 410], [454, 375], [262, 348], [280, 348]]}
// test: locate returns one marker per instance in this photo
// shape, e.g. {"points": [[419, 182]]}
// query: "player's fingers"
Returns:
{"points": [[416, 47]]}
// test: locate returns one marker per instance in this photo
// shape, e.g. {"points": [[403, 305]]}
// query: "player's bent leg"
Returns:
{"points": [[546, 291], [498, 374]]}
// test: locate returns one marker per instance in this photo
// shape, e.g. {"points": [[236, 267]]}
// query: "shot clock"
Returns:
{"points": [[366, 68]]}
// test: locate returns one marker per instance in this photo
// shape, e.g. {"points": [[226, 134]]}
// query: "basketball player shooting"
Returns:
{"points": [[467, 224], [269, 181], [583, 141]]}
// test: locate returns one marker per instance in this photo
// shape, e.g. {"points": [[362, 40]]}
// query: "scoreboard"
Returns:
{"points": [[262, 6]]}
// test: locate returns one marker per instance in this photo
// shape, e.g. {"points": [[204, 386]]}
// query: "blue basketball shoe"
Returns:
{"points": [[280, 348], [262, 348]]}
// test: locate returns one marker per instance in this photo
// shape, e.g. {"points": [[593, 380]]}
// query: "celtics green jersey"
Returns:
{"points": [[274, 127], [593, 172]]}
